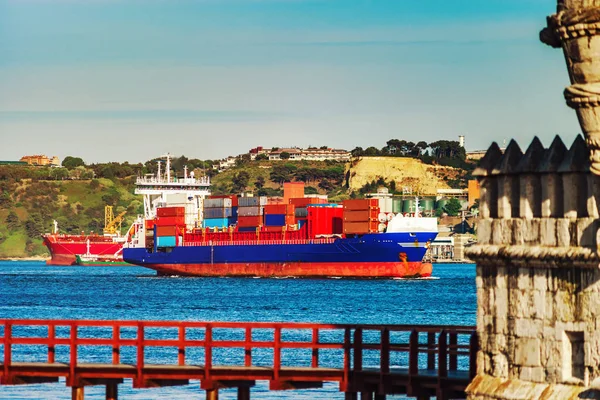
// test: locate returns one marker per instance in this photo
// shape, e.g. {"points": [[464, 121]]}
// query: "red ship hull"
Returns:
{"points": [[63, 248], [303, 270]]}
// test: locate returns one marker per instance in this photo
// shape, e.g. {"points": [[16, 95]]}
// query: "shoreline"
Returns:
{"points": [[32, 258]]}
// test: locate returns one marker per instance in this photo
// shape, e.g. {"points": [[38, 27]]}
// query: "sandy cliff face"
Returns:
{"points": [[424, 179]]}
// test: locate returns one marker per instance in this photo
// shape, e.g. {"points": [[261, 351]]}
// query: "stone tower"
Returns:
{"points": [[538, 276]]}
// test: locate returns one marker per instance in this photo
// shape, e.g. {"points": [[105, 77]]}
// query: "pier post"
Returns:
{"points": [[112, 391], [212, 394], [243, 393], [77, 393], [538, 281]]}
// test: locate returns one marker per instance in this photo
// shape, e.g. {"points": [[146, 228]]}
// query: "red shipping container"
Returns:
{"points": [[360, 227], [304, 201], [287, 209], [170, 212], [361, 216], [149, 224], [325, 221], [168, 230], [164, 221], [251, 221], [273, 228], [233, 197], [361, 204]]}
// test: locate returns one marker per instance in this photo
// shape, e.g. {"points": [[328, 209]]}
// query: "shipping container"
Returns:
{"points": [[210, 213], [304, 201], [217, 203], [359, 228], [397, 205], [252, 201], [408, 206], [361, 216], [301, 223], [276, 200], [361, 204], [170, 212], [232, 197], [292, 190], [149, 224], [325, 221], [164, 221], [290, 220], [249, 211], [168, 230], [246, 229], [215, 223], [301, 212], [273, 228], [275, 220], [246, 221], [166, 241], [287, 209], [323, 205]]}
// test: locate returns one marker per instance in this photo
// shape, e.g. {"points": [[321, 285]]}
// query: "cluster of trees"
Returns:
{"points": [[440, 150]]}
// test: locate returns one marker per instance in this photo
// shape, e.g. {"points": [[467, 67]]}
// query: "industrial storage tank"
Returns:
{"points": [[408, 205], [396, 205], [427, 204]]}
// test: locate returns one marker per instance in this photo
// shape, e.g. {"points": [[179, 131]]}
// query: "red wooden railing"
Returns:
{"points": [[450, 351]]}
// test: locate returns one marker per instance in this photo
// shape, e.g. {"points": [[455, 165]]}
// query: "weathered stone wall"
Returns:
{"points": [[538, 276]]}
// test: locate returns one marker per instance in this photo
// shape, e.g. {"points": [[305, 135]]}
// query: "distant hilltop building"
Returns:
{"points": [[295, 154], [39, 159]]}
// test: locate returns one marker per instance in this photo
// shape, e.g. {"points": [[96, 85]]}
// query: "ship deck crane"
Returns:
{"points": [[112, 224]]}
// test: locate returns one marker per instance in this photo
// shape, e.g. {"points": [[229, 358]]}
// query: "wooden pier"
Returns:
{"points": [[370, 361]]}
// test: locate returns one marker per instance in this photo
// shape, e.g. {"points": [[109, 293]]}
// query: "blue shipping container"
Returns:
{"points": [[301, 223], [213, 213], [247, 229], [215, 223], [275, 219], [166, 241]]}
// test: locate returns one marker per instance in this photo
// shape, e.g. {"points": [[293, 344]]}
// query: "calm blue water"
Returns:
{"points": [[34, 290]]}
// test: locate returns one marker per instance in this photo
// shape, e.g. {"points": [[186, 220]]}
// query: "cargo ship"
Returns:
{"points": [[255, 239], [159, 190]]}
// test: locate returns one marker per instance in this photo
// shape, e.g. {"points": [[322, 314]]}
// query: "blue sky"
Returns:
{"points": [[129, 80]]}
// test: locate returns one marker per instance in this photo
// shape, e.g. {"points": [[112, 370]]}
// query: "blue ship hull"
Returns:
{"points": [[369, 256]]}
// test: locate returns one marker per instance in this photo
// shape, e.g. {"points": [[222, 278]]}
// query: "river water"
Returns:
{"points": [[34, 290]]}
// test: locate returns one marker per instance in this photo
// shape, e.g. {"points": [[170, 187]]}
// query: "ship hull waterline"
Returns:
{"points": [[298, 270]]}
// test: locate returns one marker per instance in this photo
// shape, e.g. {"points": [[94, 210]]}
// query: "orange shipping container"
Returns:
{"points": [[361, 216], [292, 190], [287, 209], [361, 204], [170, 212], [168, 230], [360, 227]]}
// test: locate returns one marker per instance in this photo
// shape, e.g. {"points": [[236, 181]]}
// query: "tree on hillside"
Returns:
{"points": [[59, 173], [262, 157], [453, 207], [12, 221], [281, 174], [242, 160], [284, 155], [240, 181], [371, 151], [326, 185], [72, 162], [357, 152], [34, 225], [260, 182]]}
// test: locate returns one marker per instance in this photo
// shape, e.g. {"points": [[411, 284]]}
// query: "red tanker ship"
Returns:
{"points": [[63, 247]]}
